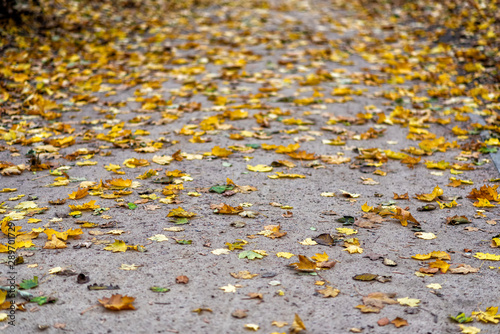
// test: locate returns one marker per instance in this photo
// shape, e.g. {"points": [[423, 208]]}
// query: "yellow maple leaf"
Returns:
{"points": [[443, 266], [288, 149], [366, 207], [412, 302], [85, 206], [286, 255], [117, 246], [221, 152], [487, 256], [320, 257], [181, 213], [80, 193], [430, 197], [281, 175], [259, 168], [54, 243], [433, 255], [134, 163], [483, 203], [308, 242], [469, 329], [490, 315], [352, 249], [346, 231], [443, 205]]}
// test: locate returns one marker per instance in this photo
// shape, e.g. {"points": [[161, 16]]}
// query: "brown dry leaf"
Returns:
{"points": [[225, 209], [329, 291], [399, 322], [13, 170], [403, 196], [485, 192], [245, 274], [240, 314], [177, 156], [463, 269], [378, 299], [254, 295], [369, 220], [383, 322], [304, 264], [182, 279], [118, 302]]}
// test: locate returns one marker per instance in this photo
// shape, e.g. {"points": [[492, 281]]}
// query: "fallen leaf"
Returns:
{"points": [[329, 291], [245, 274], [399, 322], [412, 302], [182, 279], [297, 325], [118, 302], [463, 269], [228, 288]]}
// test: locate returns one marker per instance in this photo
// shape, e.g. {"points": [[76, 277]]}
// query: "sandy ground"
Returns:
{"points": [[285, 291]]}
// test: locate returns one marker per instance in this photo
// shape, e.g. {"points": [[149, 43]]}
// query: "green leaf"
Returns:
{"points": [[486, 150], [184, 242], [131, 206], [461, 318], [346, 220], [251, 255], [159, 289], [220, 189], [254, 146], [227, 164], [180, 221], [234, 245], [39, 300], [29, 283]]}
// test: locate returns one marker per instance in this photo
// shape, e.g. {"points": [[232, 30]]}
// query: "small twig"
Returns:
{"points": [[319, 275], [356, 288], [36, 178], [89, 308]]}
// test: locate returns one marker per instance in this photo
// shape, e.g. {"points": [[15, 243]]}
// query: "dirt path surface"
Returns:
{"points": [[188, 163]]}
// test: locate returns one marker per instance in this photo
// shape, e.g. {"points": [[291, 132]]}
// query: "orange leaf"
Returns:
{"points": [[302, 155], [118, 303], [80, 193], [440, 264], [225, 209], [304, 264], [404, 216], [399, 322], [403, 196], [487, 192]]}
